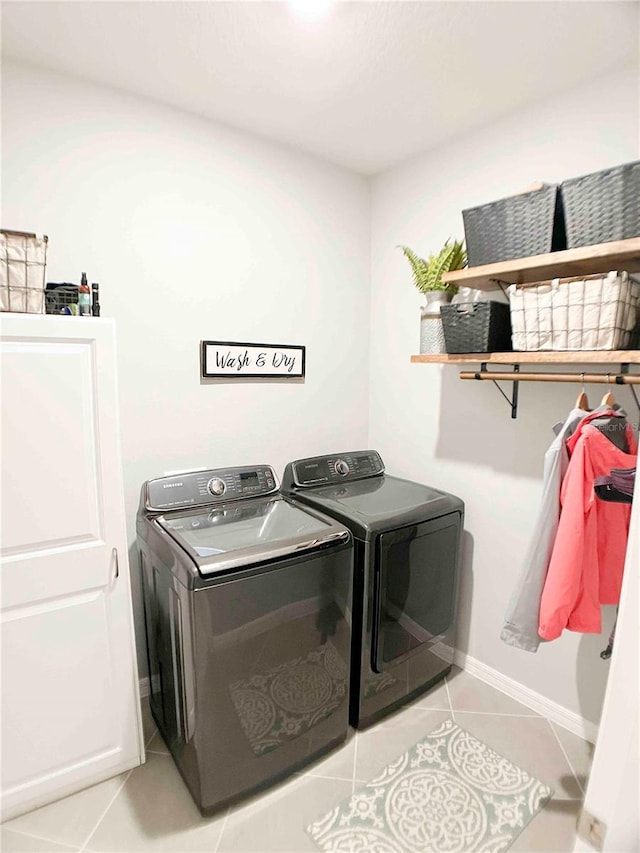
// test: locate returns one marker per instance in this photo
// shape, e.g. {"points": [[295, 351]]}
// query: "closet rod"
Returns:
{"points": [[591, 378]]}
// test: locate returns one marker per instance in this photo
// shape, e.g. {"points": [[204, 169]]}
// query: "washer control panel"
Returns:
{"points": [[210, 486], [321, 470]]}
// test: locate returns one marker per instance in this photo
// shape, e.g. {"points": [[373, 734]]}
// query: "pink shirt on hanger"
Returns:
{"points": [[589, 552]]}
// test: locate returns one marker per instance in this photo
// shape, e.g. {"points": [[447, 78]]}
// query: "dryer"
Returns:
{"points": [[247, 599], [407, 543]]}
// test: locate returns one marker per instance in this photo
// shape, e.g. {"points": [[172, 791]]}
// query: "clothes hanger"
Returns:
{"points": [[615, 432], [608, 399], [582, 402]]}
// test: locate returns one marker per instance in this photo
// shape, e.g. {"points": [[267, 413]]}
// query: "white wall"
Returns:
{"points": [[430, 426], [195, 231]]}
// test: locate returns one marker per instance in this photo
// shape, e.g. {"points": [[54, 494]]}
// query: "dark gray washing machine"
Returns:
{"points": [[247, 599], [407, 543]]}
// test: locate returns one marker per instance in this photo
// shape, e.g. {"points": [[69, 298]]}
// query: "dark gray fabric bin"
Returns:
{"points": [[477, 327], [516, 227], [603, 206]]}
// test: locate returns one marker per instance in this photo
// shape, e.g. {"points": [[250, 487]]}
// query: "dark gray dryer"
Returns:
{"points": [[247, 605], [407, 542]]}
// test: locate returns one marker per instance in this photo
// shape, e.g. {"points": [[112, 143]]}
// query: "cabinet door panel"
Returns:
{"points": [[54, 497], [70, 707], [62, 714]]}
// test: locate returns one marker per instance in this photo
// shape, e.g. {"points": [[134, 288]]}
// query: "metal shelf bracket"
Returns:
{"points": [[513, 402], [624, 371]]}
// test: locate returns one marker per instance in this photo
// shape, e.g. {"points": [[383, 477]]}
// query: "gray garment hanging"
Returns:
{"points": [[615, 428], [520, 627]]}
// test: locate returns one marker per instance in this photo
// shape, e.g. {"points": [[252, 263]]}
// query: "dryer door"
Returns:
{"points": [[414, 590]]}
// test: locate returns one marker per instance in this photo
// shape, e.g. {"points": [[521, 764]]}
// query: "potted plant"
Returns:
{"points": [[427, 277]]}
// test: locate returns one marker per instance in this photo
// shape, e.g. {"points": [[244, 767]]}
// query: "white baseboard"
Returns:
{"points": [[536, 701]]}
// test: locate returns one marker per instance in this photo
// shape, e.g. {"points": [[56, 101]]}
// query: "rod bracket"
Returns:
{"points": [[503, 285], [624, 377], [624, 371], [513, 401]]}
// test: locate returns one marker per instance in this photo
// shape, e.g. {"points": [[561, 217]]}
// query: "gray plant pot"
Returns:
{"points": [[431, 331]]}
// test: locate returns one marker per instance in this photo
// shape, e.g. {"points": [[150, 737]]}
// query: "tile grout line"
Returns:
{"points": [[103, 815], [355, 758], [113, 799], [575, 775], [73, 847], [426, 708], [502, 714], [453, 716], [329, 778], [568, 760], [222, 828]]}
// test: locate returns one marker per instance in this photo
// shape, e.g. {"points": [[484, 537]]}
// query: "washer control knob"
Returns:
{"points": [[216, 486], [342, 468]]}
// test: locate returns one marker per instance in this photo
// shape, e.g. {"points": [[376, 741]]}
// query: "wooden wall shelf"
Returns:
{"points": [[622, 255], [585, 357]]}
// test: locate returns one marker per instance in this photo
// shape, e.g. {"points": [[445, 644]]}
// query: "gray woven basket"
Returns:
{"points": [[477, 327], [603, 206], [522, 225]]}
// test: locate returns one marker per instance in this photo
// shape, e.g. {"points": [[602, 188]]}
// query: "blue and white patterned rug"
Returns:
{"points": [[450, 793]]}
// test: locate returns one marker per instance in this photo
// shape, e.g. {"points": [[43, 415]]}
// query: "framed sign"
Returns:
{"points": [[233, 360]]}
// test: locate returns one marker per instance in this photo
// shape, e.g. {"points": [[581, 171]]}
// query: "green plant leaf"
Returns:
{"points": [[418, 268], [427, 275]]}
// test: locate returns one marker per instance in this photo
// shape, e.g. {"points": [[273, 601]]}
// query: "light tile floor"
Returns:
{"points": [[149, 808]]}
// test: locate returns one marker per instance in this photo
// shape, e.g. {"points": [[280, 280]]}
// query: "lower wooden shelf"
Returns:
{"points": [[573, 357]]}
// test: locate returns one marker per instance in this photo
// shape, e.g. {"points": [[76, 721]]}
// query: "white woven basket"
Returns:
{"points": [[597, 312], [23, 259]]}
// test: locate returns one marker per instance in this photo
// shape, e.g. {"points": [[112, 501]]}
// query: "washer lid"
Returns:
{"points": [[379, 503], [239, 534]]}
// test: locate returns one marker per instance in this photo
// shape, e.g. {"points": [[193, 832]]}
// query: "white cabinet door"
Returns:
{"points": [[70, 704]]}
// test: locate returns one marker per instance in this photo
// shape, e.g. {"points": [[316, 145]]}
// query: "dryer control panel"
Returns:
{"points": [[209, 486], [337, 468]]}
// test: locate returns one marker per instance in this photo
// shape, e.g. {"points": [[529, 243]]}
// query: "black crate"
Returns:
{"points": [[603, 206], [60, 296], [516, 227], [477, 327]]}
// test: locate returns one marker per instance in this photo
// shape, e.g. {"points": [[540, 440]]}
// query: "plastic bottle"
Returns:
{"points": [[95, 297], [84, 297]]}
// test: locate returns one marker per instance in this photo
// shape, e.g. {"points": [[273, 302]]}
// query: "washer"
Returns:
{"points": [[248, 611], [407, 542]]}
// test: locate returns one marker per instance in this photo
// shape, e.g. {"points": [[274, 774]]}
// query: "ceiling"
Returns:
{"points": [[369, 86]]}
